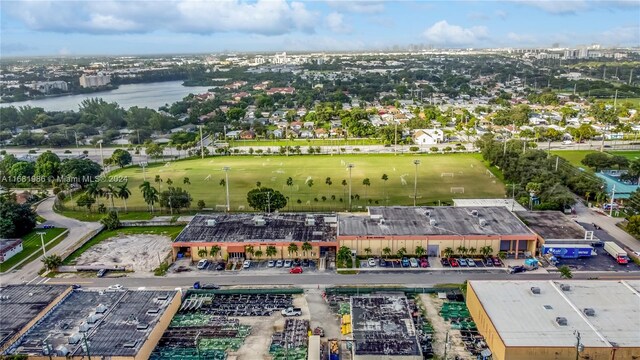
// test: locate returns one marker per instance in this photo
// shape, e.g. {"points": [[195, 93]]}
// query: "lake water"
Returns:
{"points": [[151, 95]]}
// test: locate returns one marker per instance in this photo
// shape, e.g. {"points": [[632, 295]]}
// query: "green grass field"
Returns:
{"points": [[31, 244], [306, 142], [575, 156], [463, 170], [171, 231]]}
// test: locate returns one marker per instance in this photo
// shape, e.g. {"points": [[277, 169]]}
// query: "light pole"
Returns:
{"points": [[226, 172], [144, 164], [44, 250], [201, 144], [579, 345], [350, 166], [415, 182], [101, 153]]}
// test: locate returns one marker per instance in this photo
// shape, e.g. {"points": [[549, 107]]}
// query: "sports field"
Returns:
{"points": [[437, 175]]}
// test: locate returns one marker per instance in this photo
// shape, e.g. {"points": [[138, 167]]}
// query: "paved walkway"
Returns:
{"points": [[77, 230]]}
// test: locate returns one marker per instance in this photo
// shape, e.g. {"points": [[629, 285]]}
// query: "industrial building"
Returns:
{"points": [[555, 227], [383, 328], [113, 323], [570, 319], [435, 229], [22, 305], [234, 232]]}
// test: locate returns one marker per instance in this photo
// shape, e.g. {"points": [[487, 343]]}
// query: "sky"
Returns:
{"points": [[132, 27]]}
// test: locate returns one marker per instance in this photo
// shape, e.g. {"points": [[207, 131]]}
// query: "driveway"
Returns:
{"points": [[77, 231]]}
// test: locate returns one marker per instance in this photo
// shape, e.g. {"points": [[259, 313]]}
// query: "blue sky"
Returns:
{"points": [[63, 27]]}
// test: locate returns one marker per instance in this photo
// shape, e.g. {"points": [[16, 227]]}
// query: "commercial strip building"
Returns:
{"points": [[546, 319], [435, 229], [117, 323], [234, 232]]}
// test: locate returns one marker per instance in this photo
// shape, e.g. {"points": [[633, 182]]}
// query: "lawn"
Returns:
{"points": [[305, 142], [95, 216], [575, 156], [31, 244], [437, 174], [171, 231]]}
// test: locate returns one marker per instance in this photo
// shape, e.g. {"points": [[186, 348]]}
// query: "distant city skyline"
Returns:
{"points": [[32, 28]]}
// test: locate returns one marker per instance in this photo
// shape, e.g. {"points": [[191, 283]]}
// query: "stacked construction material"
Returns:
{"points": [[291, 343]]}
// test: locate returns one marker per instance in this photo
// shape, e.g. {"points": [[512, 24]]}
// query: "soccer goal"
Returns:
{"points": [[446, 174], [457, 190]]}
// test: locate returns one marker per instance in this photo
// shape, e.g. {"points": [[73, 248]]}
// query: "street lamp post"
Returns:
{"points": [[350, 166], [415, 182], [226, 172], [144, 164], [44, 250], [101, 153]]}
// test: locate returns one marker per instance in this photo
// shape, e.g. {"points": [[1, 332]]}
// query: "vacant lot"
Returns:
{"points": [[437, 175]]}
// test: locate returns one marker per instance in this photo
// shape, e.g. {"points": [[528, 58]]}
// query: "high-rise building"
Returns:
{"points": [[94, 80]]}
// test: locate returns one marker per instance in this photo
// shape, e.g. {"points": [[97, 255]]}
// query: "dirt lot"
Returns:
{"points": [[440, 326], [139, 252]]}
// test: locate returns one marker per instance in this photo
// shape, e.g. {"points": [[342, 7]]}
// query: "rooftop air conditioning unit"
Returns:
{"points": [[589, 311], [74, 339], [310, 222], [433, 222], [474, 213], [101, 309], [211, 222], [565, 287], [535, 290], [562, 321], [259, 221], [482, 222]]}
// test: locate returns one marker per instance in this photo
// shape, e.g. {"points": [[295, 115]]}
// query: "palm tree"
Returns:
{"points": [[202, 253], [215, 249], [328, 181], [565, 272], [306, 246], [149, 194], [384, 178], [420, 250], [367, 251], [158, 181], [473, 251], [94, 190], [290, 185], [249, 249], [169, 182], [223, 182], [292, 248], [486, 250], [123, 192], [366, 182], [502, 255], [448, 252], [461, 250], [258, 254], [386, 251], [109, 192], [186, 181], [271, 251], [344, 187]]}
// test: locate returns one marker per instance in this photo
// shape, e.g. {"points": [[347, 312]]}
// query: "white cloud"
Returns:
{"points": [[521, 38], [622, 35], [335, 23], [269, 17], [564, 7], [442, 33], [358, 6]]}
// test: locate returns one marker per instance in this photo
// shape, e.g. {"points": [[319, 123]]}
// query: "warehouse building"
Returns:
{"points": [[22, 305], [117, 324], [556, 228], [557, 320], [234, 233], [436, 229], [383, 329]]}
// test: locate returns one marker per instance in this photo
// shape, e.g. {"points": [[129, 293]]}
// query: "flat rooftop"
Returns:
{"points": [[439, 220], [523, 318], [19, 304], [509, 204], [115, 323], [382, 325], [260, 227], [552, 225]]}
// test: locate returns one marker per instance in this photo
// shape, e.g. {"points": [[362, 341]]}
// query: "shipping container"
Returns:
{"points": [[568, 251]]}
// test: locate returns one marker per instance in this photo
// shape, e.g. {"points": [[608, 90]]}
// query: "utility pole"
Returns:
{"points": [[446, 345], [350, 166], [201, 144], [630, 76], [86, 345], [415, 182], [101, 154], [613, 195], [226, 172], [395, 134], [144, 164], [557, 162], [615, 100], [44, 250], [579, 345]]}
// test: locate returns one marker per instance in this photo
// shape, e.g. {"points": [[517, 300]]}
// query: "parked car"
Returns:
{"points": [[371, 262], [297, 262], [220, 266], [471, 263], [76, 286], [295, 270], [305, 262], [488, 262], [203, 264], [462, 262], [405, 262], [287, 263], [246, 264], [517, 269], [116, 287], [424, 262], [210, 286], [279, 263], [413, 262], [102, 272], [453, 262], [271, 263], [496, 261], [291, 311], [445, 262], [383, 263]]}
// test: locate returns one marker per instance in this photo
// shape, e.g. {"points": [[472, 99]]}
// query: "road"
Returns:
{"points": [[77, 230]]}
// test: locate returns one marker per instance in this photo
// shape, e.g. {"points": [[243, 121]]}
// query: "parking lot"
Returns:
{"points": [[432, 263], [270, 266]]}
